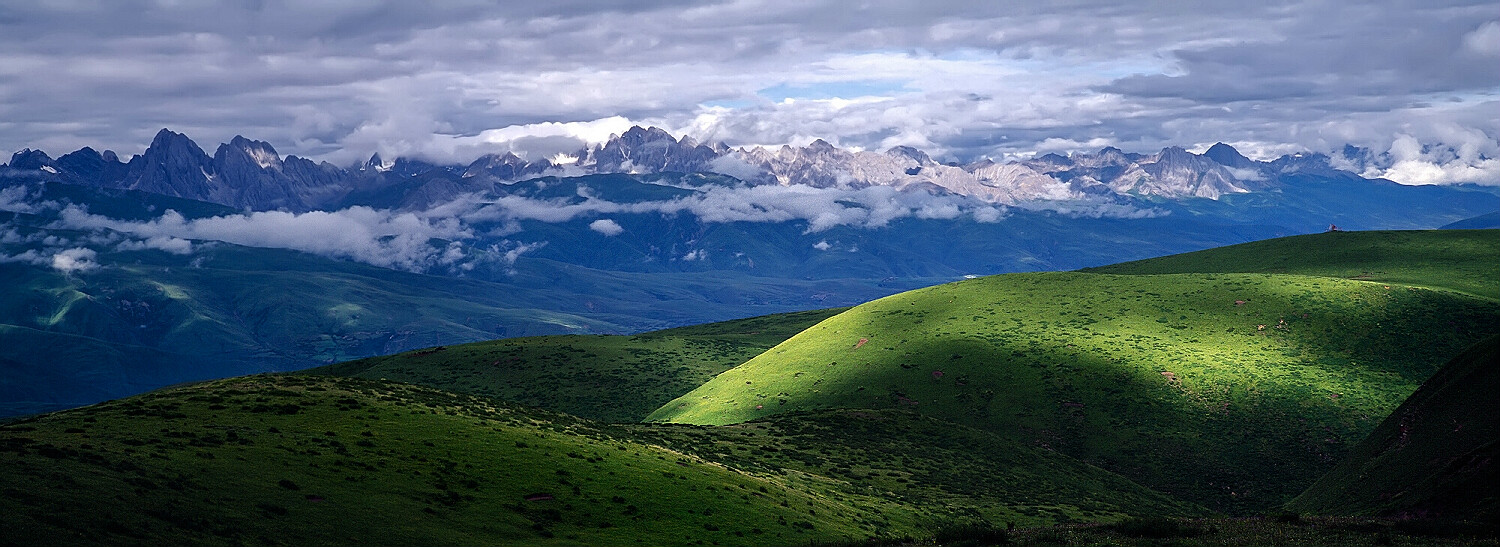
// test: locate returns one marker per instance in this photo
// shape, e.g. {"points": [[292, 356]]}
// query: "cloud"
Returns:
{"points": [[73, 260], [1484, 40], [381, 238], [607, 227], [822, 245], [21, 199], [174, 245], [451, 80]]}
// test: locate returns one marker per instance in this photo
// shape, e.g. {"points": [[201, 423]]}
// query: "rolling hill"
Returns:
{"points": [[612, 378], [275, 459], [1218, 382], [1233, 390]]}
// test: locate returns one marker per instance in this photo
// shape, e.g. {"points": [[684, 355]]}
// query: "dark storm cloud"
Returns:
{"points": [[452, 80]]}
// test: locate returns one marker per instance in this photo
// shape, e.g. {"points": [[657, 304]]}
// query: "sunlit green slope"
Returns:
{"points": [[316, 460], [1433, 457], [601, 377], [1462, 260], [1231, 390]]}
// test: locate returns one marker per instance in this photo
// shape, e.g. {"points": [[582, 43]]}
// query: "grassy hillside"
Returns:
{"points": [[1231, 390], [1461, 260], [311, 460], [949, 472], [601, 377], [1433, 457]]}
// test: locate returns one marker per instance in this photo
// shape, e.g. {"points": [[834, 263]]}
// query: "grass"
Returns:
{"points": [[321, 460], [1221, 532], [1084, 408], [600, 377], [1462, 260], [1232, 390], [1431, 458], [946, 472]]}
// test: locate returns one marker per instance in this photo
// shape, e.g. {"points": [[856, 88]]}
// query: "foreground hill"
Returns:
{"points": [[1233, 390], [602, 377], [311, 459], [1434, 457], [319, 460]]}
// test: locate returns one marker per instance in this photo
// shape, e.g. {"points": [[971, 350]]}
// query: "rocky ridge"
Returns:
{"points": [[250, 174]]}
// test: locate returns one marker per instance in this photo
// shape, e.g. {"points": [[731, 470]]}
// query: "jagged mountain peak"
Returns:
{"points": [[166, 139], [31, 160], [261, 153], [1228, 156], [819, 145], [1175, 153], [1055, 159], [910, 153]]}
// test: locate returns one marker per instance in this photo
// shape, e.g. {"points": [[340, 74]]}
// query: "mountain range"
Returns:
{"points": [[250, 174]]}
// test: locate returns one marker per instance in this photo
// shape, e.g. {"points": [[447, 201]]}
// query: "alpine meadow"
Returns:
{"points": [[750, 273]]}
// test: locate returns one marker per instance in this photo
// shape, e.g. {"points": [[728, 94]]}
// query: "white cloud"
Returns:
{"points": [[22, 199], [607, 227], [1415, 162], [822, 245], [377, 237], [73, 260], [174, 245], [1484, 40]]}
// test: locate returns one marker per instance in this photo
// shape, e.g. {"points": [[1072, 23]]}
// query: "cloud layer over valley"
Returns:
{"points": [[475, 229]]}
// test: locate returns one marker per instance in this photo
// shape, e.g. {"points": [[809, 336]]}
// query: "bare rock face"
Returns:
{"points": [[174, 165], [1177, 173]]}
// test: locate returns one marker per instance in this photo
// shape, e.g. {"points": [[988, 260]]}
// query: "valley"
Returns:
{"points": [[1142, 397]]}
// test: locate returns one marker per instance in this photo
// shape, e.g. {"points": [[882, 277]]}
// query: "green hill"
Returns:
{"points": [[1461, 260], [1433, 457], [948, 472], [1233, 390], [601, 377], [311, 460]]}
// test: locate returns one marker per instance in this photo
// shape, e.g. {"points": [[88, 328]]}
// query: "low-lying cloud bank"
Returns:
{"points": [[388, 239], [459, 235], [820, 208]]}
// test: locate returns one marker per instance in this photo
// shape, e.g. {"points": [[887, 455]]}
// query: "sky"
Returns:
{"points": [[1416, 82]]}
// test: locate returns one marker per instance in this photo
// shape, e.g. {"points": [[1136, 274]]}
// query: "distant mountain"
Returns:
{"points": [[1481, 222], [249, 174]]}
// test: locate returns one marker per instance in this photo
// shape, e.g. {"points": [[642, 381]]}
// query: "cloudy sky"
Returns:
{"points": [[339, 80]]}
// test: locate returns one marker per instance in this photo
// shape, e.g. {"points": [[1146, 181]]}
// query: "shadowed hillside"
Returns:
{"points": [[1231, 390], [1434, 457]]}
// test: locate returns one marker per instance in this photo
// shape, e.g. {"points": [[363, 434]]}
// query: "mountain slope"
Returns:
{"points": [[278, 459], [959, 473], [1488, 221], [600, 377], [1461, 260], [1434, 457], [1191, 384]]}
